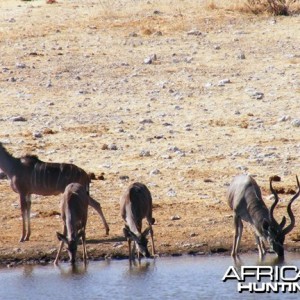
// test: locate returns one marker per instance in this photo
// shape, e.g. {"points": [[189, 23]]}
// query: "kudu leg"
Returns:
{"points": [[96, 205], [261, 246], [25, 203], [60, 247], [238, 225], [58, 252], [84, 248], [152, 241], [129, 249]]}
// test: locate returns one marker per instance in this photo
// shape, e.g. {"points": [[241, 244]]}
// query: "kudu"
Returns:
{"points": [[29, 175], [74, 213], [136, 204], [245, 199]]}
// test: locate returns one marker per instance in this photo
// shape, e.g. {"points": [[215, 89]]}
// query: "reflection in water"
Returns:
{"points": [[28, 270], [72, 269], [140, 268], [267, 260]]}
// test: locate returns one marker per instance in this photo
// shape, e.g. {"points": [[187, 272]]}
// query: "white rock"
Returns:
{"points": [[296, 122]]}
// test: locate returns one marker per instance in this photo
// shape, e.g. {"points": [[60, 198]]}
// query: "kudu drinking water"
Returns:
{"points": [[245, 199], [74, 212], [29, 175], [136, 204]]}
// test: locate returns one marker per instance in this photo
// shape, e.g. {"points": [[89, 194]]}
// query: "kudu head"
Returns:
{"points": [[71, 244], [275, 231], [140, 240]]}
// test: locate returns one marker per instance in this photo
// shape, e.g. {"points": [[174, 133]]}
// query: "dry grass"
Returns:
{"points": [[258, 7]]}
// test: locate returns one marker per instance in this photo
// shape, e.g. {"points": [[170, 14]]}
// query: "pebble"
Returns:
{"points": [[145, 153], [112, 147], [20, 65], [241, 55], [18, 119], [150, 59], [284, 118], [223, 82], [37, 134], [176, 217], [254, 94], [146, 121], [194, 32], [296, 123], [155, 172], [171, 193]]}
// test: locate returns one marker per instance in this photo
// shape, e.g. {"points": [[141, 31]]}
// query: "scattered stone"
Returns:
{"points": [[175, 218], [194, 32], [118, 245], [133, 34], [254, 94], [171, 193], [112, 147], [173, 149], [284, 118], [155, 172], [157, 33], [208, 180], [223, 82], [150, 59], [145, 153], [49, 84], [241, 55], [20, 65], [92, 175], [146, 121], [257, 95], [37, 135], [208, 85], [296, 123], [242, 168], [18, 119], [101, 177], [124, 177], [104, 147]]}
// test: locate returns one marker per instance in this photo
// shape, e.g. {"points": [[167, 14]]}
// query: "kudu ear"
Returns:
{"points": [[129, 234], [126, 232], [146, 231], [61, 237]]}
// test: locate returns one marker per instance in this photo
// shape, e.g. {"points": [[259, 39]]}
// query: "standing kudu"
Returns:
{"points": [[136, 204], [74, 213], [244, 198], [29, 175]]}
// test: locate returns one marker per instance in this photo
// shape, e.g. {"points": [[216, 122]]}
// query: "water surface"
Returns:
{"points": [[184, 277]]}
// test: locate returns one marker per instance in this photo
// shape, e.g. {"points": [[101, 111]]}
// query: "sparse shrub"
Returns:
{"points": [[274, 7]]}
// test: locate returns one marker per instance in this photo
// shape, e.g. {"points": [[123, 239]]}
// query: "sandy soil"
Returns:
{"points": [[180, 97]]}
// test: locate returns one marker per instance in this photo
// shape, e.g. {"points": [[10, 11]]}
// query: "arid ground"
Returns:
{"points": [[179, 95]]}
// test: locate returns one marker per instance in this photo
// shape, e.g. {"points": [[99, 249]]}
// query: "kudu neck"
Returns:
{"points": [[8, 164], [259, 215]]}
